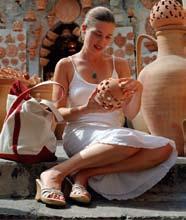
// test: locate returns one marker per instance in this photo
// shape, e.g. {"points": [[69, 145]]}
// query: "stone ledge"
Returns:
{"points": [[100, 209], [18, 180]]}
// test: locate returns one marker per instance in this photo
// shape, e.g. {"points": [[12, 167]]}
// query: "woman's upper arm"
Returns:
{"points": [[122, 67], [61, 75]]}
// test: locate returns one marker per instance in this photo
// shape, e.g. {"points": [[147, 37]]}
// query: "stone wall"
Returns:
{"points": [[128, 13]]}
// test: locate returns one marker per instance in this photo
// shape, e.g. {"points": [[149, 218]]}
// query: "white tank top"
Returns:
{"points": [[80, 90]]}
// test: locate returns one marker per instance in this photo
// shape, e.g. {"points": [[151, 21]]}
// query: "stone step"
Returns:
{"points": [[29, 209], [18, 180], [165, 201]]}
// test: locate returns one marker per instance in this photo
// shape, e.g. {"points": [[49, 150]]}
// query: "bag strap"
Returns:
{"points": [[21, 97], [54, 110]]}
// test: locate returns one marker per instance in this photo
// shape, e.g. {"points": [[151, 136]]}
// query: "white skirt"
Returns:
{"points": [[119, 186]]}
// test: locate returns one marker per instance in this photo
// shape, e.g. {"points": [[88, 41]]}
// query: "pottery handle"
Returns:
{"points": [[138, 49]]}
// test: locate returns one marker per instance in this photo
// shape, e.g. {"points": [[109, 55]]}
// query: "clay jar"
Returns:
{"points": [[30, 16], [41, 4], [166, 12], [5, 85], [44, 52], [43, 61], [163, 101], [120, 40], [110, 93]]}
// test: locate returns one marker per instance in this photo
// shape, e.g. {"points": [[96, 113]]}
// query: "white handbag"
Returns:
{"points": [[27, 135]]}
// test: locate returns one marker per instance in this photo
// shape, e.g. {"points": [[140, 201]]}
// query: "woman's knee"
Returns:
{"points": [[162, 153]]}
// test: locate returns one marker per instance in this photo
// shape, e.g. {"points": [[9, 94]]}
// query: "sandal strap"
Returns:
{"points": [[49, 191], [79, 188]]}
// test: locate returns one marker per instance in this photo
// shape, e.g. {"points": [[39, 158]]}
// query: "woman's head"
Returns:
{"points": [[98, 14], [97, 29]]}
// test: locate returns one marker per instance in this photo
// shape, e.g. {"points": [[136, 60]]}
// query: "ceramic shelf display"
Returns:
{"points": [[164, 80]]}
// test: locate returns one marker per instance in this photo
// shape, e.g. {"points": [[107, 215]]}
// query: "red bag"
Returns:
{"points": [[27, 134]]}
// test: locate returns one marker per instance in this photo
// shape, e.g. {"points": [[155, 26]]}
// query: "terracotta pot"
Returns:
{"points": [[150, 46], [34, 44], [67, 10], [32, 53], [21, 37], [120, 40], [148, 3], [5, 61], [66, 33], [51, 19], [30, 16], [44, 52], [166, 12], [47, 42], [130, 36], [43, 92], [164, 80], [17, 26], [51, 35], [76, 31], [86, 4], [43, 61], [109, 50], [110, 93], [11, 50], [119, 53], [41, 4], [37, 32], [163, 108], [129, 49], [5, 85], [2, 52]]}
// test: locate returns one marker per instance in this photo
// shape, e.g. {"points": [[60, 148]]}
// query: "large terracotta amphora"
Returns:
{"points": [[164, 80]]}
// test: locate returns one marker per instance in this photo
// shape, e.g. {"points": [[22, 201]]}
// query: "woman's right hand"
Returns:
{"points": [[93, 106]]}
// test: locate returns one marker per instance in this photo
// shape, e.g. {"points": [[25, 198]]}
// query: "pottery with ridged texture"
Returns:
{"points": [[163, 101]]}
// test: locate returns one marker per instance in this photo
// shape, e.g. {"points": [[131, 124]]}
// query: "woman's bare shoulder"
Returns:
{"points": [[64, 62], [63, 70]]}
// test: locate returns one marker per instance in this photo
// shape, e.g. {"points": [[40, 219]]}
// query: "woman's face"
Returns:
{"points": [[99, 36]]}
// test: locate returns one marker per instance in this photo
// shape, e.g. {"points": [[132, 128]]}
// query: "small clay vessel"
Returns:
{"points": [[110, 93]]}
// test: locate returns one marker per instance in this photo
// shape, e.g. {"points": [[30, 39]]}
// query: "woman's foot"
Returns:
{"points": [[79, 192], [49, 188], [52, 178], [49, 196]]}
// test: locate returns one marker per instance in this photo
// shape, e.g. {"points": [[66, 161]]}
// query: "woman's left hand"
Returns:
{"points": [[131, 87], [93, 106]]}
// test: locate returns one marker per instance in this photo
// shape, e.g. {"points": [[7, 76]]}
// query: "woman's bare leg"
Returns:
{"points": [[144, 159], [106, 159], [97, 155]]}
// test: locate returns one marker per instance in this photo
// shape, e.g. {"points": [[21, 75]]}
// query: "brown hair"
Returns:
{"points": [[99, 13]]}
